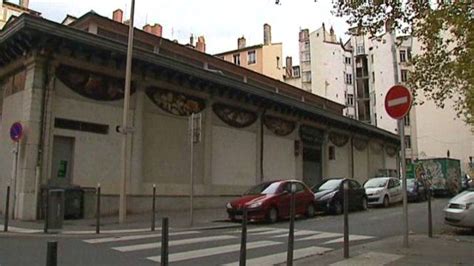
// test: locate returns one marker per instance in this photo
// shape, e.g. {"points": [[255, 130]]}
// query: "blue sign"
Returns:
{"points": [[16, 131]]}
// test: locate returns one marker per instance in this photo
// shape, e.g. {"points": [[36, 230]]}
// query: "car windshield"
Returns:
{"points": [[376, 182], [264, 188], [329, 184]]}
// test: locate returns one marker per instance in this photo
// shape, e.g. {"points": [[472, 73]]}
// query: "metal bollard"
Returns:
{"points": [[46, 214], [164, 241], [52, 253], [291, 235], [7, 210], [243, 241], [97, 211], [153, 207], [430, 217], [346, 219]]}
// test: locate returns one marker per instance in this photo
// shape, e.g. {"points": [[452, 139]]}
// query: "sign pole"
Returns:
{"points": [[401, 128], [14, 174], [191, 181]]}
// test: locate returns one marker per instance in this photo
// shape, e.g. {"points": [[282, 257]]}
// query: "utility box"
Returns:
{"points": [[55, 209]]}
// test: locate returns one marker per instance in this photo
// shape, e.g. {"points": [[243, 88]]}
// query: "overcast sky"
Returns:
{"points": [[220, 21]]}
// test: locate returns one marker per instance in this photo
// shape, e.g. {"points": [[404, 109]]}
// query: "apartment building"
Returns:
{"points": [[9, 9], [263, 58], [359, 72]]}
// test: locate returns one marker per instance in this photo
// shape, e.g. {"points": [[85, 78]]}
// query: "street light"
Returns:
{"points": [[125, 129]]}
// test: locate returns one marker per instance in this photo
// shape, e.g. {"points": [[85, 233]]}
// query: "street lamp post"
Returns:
{"points": [[125, 129]]}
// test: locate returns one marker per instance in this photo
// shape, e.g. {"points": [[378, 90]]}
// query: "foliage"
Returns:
{"points": [[444, 67]]}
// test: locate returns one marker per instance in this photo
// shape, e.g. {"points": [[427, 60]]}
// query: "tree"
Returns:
{"points": [[444, 69]]}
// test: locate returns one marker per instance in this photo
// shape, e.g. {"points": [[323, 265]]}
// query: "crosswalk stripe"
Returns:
{"points": [[351, 238], [298, 233], [212, 251], [274, 231], [171, 243], [281, 257], [134, 237], [320, 236]]}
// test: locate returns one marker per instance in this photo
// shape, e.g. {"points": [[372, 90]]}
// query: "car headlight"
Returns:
{"points": [[255, 205], [228, 205]]}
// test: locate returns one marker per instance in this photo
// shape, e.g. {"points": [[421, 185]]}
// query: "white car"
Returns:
{"points": [[383, 191], [460, 210]]}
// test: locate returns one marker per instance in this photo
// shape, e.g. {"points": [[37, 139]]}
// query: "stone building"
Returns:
{"points": [[64, 84]]}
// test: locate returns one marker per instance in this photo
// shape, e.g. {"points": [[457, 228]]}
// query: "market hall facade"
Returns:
{"points": [[64, 84]]}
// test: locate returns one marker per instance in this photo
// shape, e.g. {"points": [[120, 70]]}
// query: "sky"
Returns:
{"points": [[221, 22]]}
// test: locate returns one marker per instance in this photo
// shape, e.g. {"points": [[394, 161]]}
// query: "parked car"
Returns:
{"points": [[416, 190], [270, 201], [383, 191], [460, 210], [467, 182], [329, 195]]}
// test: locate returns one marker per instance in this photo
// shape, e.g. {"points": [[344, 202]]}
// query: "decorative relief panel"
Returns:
{"points": [[174, 102], [91, 85], [338, 139], [360, 144], [234, 116], [391, 150], [311, 135], [279, 126], [376, 147]]}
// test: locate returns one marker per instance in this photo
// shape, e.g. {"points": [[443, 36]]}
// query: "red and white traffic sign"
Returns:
{"points": [[398, 101]]}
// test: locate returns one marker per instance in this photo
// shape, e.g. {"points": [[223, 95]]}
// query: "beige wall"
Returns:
{"points": [[257, 66], [270, 66], [280, 162], [340, 167]]}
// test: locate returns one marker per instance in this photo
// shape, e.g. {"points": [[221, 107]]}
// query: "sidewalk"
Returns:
{"points": [[202, 218], [439, 250]]}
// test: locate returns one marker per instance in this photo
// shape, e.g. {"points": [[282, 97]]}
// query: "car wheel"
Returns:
{"points": [[364, 204], [272, 215], [310, 211], [337, 208], [386, 202]]}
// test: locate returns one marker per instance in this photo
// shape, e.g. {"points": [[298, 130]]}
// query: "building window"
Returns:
{"points": [[349, 79], [350, 99], [237, 59], [278, 62], [372, 58], [407, 142], [332, 153], [306, 45], [306, 76], [406, 120], [403, 56], [296, 71], [347, 60], [409, 53], [251, 57], [305, 56], [373, 76], [404, 75]]}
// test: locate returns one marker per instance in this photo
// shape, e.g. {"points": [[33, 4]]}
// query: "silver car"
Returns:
{"points": [[460, 210], [383, 191]]}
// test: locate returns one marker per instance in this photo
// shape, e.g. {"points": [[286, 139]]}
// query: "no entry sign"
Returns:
{"points": [[16, 131], [398, 101]]}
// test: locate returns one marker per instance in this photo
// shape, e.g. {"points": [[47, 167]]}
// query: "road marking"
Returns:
{"points": [[398, 101], [271, 232], [351, 238], [212, 251], [253, 230], [134, 237], [298, 233], [320, 236], [281, 257], [369, 259], [171, 243]]}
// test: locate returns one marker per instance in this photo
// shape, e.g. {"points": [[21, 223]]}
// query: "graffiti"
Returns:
{"points": [[434, 171]]}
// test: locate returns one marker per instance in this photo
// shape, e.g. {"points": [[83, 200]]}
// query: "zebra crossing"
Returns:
{"points": [[265, 245]]}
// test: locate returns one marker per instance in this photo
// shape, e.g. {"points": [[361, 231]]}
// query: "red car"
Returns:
{"points": [[270, 201]]}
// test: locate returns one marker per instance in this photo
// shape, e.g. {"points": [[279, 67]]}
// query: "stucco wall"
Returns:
{"points": [[279, 157], [360, 165], [340, 167], [270, 67], [234, 154]]}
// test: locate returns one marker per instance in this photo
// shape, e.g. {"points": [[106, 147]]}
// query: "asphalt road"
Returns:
{"points": [[266, 243]]}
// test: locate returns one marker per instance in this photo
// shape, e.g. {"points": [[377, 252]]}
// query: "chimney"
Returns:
{"points": [[117, 15], [157, 30], [332, 35], [201, 44], [267, 34], [324, 32], [147, 28], [289, 67], [191, 40], [24, 3], [241, 43]]}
